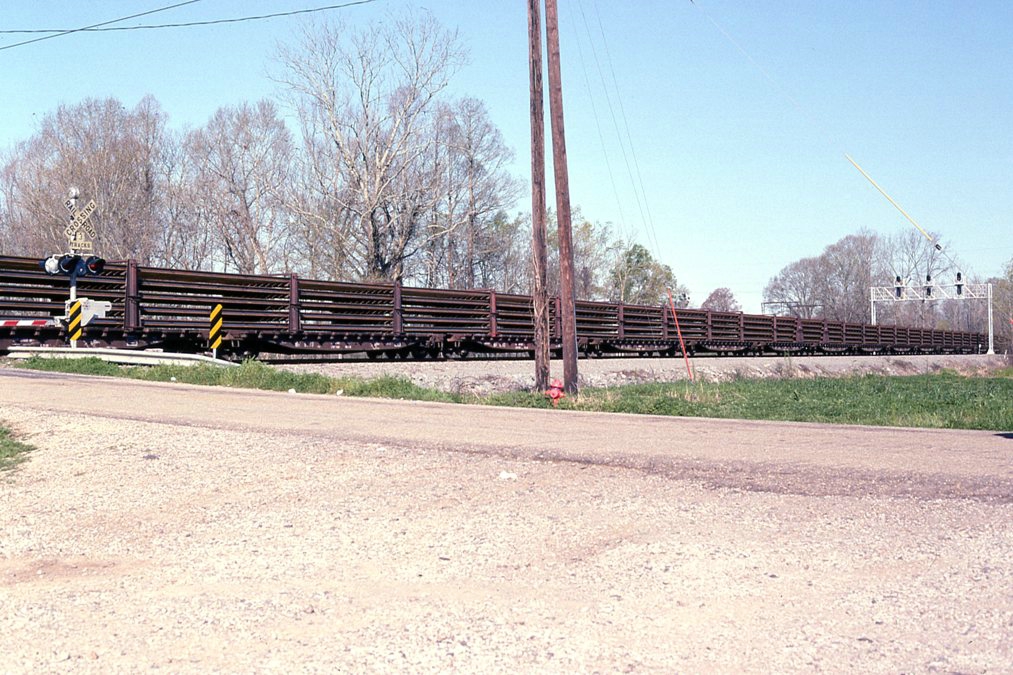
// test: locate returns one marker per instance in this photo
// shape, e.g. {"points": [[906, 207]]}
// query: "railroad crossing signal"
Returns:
{"points": [[78, 311], [73, 265], [215, 333]]}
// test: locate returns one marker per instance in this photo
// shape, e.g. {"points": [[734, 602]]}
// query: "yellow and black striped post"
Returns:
{"points": [[215, 334], [74, 327]]}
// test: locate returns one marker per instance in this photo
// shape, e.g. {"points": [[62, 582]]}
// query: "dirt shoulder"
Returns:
{"points": [[206, 530]]}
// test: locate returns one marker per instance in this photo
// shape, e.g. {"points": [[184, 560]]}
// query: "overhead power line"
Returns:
{"points": [[610, 90], [643, 204], [105, 27], [627, 234], [96, 26]]}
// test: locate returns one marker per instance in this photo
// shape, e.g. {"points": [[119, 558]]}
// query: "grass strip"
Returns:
{"points": [[248, 375], [936, 401], [939, 400]]}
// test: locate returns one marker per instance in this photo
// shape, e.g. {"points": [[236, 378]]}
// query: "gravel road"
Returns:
{"points": [[192, 530]]}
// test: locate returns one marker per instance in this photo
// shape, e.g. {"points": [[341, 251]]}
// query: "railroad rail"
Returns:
{"points": [[157, 308]]}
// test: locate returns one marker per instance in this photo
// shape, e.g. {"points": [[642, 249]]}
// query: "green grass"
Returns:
{"points": [[89, 366], [256, 375], [12, 451], [248, 375], [939, 400]]}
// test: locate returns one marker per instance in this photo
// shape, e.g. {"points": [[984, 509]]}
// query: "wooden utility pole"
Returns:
{"points": [[568, 317], [540, 296]]}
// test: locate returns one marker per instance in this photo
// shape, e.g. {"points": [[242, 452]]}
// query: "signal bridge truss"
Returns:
{"points": [[933, 293]]}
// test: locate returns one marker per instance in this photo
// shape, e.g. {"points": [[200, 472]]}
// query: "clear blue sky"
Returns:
{"points": [[741, 154]]}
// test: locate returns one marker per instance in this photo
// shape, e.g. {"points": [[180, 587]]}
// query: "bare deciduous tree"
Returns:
{"points": [[721, 300], [595, 251], [112, 155], [507, 265], [365, 99], [242, 165], [848, 270], [469, 160], [835, 285], [797, 290], [1003, 309], [185, 242], [478, 146]]}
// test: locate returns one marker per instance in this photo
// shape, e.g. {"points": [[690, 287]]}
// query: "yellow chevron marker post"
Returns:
{"points": [[74, 327], [215, 334]]}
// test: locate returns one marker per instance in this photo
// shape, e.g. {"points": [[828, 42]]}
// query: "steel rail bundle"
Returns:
{"points": [[156, 308]]}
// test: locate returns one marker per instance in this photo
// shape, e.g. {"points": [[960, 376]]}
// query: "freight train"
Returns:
{"points": [[262, 315]]}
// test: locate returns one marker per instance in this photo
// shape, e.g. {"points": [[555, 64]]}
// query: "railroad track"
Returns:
{"points": [[272, 317]]}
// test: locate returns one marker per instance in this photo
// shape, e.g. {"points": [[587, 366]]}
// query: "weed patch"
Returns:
{"points": [[12, 451], [86, 366]]}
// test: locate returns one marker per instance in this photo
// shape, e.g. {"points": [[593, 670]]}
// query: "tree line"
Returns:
{"points": [[835, 285], [362, 169]]}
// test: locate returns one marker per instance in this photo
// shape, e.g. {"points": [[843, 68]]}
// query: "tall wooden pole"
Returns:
{"points": [[566, 300], [540, 295]]}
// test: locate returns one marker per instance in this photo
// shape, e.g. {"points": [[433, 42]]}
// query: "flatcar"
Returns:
{"points": [[157, 308]]}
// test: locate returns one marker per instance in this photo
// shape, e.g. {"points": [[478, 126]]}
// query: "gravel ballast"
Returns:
{"points": [[487, 376]]}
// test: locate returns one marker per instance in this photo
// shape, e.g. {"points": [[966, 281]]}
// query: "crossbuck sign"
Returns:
{"points": [[79, 226]]}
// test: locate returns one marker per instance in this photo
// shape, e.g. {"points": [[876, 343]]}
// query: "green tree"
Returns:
{"points": [[638, 279], [594, 250]]}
